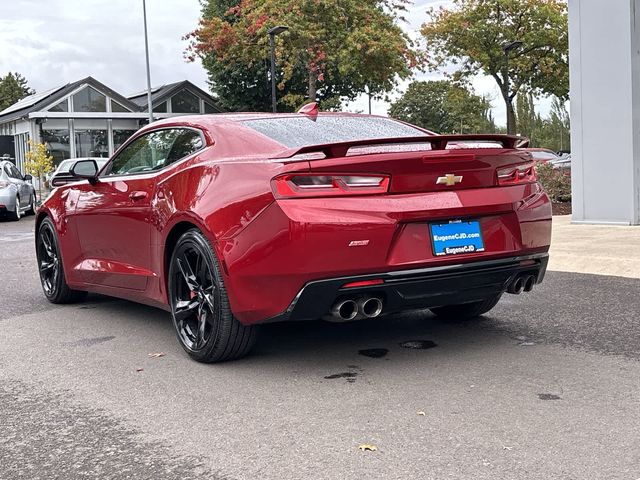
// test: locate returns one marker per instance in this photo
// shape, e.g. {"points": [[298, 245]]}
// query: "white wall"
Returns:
{"points": [[604, 49]]}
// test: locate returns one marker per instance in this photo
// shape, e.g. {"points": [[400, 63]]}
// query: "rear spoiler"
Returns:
{"points": [[438, 142]]}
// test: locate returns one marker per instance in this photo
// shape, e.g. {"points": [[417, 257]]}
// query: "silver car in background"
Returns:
{"points": [[17, 195]]}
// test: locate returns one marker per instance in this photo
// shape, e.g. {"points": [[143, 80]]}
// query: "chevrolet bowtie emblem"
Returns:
{"points": [[449, 179]]}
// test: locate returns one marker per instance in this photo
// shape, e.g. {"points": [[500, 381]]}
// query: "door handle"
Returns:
{"points": [[138, 195]]}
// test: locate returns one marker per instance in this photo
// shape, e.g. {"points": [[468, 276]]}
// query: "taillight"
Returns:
{"points": [[514, 174], [328, 185]]}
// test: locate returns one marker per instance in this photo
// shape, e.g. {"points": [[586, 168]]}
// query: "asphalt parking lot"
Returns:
{"points": [[546, 386]]}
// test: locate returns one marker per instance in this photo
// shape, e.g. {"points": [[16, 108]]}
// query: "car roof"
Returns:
{"points": [[234, 139]]}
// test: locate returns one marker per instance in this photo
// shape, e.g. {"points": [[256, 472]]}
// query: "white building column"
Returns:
{"points": [[604, 46]]}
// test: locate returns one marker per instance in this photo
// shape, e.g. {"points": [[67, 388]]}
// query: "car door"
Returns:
{"points": [[21, 186], [113, 218], [24, 187]]}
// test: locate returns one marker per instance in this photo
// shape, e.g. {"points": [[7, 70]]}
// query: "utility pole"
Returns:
{"points": [[272, 45], [146, 49]]}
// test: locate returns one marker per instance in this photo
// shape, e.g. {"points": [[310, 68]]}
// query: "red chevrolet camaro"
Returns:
{"points": [[233, 220]]}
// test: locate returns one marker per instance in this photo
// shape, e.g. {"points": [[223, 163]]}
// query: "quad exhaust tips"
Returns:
{"points": [[370, 307], [344, 310], [353, 309], [522, 283]]}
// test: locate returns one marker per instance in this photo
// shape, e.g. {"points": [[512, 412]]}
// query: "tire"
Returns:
{"points": [[202, 317], [15, 215], [466, 311], [32, 205], [50, 267]]}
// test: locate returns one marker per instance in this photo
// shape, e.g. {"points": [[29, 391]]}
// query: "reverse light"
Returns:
{"points": [[328, 185], [514, 174]]}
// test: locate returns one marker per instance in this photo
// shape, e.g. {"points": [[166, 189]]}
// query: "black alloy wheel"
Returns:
{"points": [[203, 320], [50, 266]]}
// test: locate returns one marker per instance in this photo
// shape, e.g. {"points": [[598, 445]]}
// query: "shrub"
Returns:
{"points": [[555, 182]]}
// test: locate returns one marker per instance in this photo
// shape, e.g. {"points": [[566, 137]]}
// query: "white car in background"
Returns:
{"points": [[62, 174]]}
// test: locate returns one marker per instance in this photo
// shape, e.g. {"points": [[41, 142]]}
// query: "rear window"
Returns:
{"points": [[304, 130]]}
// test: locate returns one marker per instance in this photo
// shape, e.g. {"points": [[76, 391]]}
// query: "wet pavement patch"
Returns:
{"points": [[89, 342], [347, 375], [374, 352], [548, 396], [419, 344]]}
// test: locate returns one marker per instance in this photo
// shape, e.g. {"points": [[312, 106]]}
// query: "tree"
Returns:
{"points": [[444, 107], [13, 87], [333, 49], [474, 33], [38, 163], [552, 132]]}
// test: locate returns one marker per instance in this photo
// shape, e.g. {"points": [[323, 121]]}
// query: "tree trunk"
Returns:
{"points": [[312, 86], [511, 118]]}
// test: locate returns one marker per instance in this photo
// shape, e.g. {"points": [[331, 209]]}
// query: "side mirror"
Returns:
{"points": [[87, 169], [27, 178]]}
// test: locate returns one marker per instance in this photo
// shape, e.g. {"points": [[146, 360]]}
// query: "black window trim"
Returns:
{"points": [[200, 133]]}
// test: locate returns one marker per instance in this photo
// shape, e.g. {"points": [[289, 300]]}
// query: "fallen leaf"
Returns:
{"points": [[139, 369], [157, 354], [368, 447], [527, 344], [421, 413]]}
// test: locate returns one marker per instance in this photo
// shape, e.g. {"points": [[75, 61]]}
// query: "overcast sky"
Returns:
{"points": [[59, 41]]}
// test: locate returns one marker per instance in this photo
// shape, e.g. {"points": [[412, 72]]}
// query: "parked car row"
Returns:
{"points": [[544, 155]]}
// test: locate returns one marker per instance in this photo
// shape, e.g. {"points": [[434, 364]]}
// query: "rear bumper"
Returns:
{"points": [[420, 288], [7, 201]]}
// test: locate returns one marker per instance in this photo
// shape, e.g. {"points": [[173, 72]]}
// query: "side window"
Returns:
{"points": [[15, 172], [7, 170], [155, 150], [186, 143]]}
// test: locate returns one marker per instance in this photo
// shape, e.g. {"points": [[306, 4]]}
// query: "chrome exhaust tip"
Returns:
{"points": [[345, 310], [529, 283], [370, 307], [517, 286]]}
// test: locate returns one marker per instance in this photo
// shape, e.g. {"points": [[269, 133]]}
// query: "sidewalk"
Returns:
{"points": [[597, 249]]}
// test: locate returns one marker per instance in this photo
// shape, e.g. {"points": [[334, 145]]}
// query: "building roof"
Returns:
{"points": [[43, 100], [164, 92]]}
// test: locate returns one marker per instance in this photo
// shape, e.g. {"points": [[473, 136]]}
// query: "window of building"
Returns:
{"points": [[116, 107], [63, 106], [155, 150], [208, 108], [89, 100], [160, 108], [185, 102], [92, 142], [57, 142]]}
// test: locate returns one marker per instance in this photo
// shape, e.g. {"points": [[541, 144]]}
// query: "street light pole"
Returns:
{"points": [[507, 50], [272, 46], [146, 49]]}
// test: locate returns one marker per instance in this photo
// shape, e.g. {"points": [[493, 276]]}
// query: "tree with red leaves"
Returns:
{"points": [[333, 48]]}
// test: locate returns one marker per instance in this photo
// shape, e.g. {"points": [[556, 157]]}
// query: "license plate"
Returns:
{"points": [[456, 237]]}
